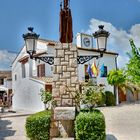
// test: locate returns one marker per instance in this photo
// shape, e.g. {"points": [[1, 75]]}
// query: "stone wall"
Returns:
{"points": [[65, 75], [65, 85]]}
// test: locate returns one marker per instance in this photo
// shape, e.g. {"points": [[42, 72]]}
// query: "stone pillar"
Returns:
{"points": [[65, 85], [65, 77]]}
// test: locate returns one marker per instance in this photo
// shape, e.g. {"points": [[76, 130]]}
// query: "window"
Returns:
{"points": [[41, 70], [86, 73], [15, 77], [103, 72], [23, 70], [1, 81]]}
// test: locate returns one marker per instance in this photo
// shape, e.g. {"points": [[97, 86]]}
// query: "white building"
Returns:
{"points": [[29, 76], [5, 88]]}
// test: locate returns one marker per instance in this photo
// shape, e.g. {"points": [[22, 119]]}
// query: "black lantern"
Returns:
{"points": [[101, 36], [31, 41]]}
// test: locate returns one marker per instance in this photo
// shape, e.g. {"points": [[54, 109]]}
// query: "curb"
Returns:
{"points": [[15, 115]]}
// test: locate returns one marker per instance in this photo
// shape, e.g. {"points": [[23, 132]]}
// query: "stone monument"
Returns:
{"points": [[65, 80]]}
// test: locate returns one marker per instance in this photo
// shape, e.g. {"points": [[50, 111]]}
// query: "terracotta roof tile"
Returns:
{"points": [[44, 79], [5, 74]]}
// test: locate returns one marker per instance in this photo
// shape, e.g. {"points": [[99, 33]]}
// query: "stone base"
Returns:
{"points": [[64, 113]]}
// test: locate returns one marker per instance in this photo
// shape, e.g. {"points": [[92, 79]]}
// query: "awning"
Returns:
{"points": [[3, 88]]}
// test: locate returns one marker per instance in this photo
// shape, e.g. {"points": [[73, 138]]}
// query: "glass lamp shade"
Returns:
{"points": [[31, 45], [101, 43], [101, 36], [30, 39]]}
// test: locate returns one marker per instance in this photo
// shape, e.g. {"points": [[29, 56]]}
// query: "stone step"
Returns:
{"points": [[63, 139]]}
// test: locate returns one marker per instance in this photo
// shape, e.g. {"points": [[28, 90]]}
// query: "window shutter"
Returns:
{"points": [[41, 70]]}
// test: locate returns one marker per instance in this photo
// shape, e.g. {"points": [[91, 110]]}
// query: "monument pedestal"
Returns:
{"points": [[65, 86]]}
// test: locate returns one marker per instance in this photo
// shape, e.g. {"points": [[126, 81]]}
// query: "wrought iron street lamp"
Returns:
{"points": [[30, 39], [31, 44], [101, 35]]}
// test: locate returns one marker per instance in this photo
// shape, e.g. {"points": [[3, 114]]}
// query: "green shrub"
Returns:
{"points": [[94, 95], [89, 110], [90, 126], [110, 98], [46, 97], [102, 99], [38, 125]]}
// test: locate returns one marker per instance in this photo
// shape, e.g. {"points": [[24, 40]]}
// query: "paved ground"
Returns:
{"points": [[12, 128], [123, 122], [12, 125]]}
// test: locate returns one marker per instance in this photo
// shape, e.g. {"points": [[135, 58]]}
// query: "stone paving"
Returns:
{"points": [[12, 128], [122, 122], [12, 125]]}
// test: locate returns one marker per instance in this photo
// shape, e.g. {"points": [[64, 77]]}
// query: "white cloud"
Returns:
{"points": [[6, 59], [119, 39]]}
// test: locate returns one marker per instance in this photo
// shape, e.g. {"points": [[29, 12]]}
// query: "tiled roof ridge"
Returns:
{"points": [[47, 79]]}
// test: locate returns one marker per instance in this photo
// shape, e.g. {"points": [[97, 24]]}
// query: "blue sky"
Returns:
{"points": [[120, 17]]}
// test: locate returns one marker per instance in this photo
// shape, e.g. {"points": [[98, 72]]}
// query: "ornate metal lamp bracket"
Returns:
{"points": [[84, 59], [80, 59], [46, 59]]}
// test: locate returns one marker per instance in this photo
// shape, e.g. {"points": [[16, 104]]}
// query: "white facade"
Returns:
{"points": [[6, 85], [5, 88], [108, 60], [26, 90]]}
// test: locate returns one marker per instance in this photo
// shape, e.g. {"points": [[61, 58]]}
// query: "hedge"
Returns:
{"points": [[110, 98], [38, 125], [90, 126]]}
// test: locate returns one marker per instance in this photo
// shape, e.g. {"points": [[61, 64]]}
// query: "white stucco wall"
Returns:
{"points": [[8, 83], [27, 95], [107, 59], [27, 90]]}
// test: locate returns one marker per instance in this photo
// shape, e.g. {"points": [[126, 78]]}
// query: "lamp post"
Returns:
{"points": [[101, 35], [31, 38]]}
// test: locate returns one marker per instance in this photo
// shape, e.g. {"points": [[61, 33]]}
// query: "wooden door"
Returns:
{"points": [[48, 88], [122, 96]]}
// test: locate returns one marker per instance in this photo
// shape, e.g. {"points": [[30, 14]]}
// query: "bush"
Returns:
{"points": [[38, 125], [46, 97], [102, 99], [110, 98], [94, 95], [90, 126]]}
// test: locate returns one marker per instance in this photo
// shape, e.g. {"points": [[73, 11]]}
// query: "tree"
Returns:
{"points": [[133, 66], [129, 78], [116, 77]]}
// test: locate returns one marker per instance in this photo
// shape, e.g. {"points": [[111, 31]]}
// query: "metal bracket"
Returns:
{"points": [[46, 59], [84, 59], [80, 59]]}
